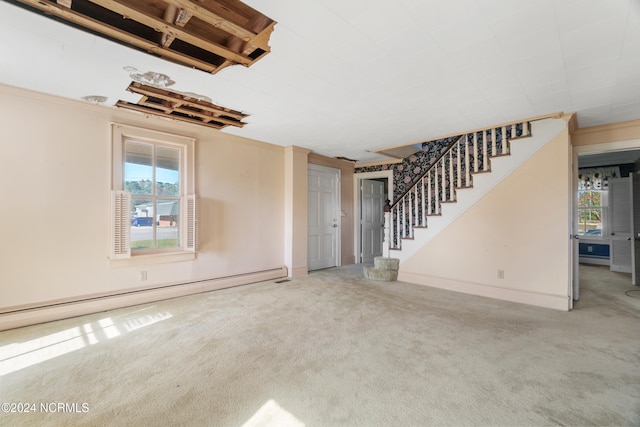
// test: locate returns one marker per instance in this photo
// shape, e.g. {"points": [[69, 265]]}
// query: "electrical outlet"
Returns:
{"points": [[143, 276], [500, 274]]}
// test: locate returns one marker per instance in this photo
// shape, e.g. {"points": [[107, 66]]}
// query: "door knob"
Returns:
{"points": [[335, 225]]}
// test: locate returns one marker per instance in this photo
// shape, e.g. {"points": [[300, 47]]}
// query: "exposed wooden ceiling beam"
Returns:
{"points": [[177, 97], [209, 116], [207, 15], [181, 107], [161, 26], [154, 111]]}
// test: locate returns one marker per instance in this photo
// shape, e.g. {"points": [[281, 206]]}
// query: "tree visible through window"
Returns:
{"points": [[591, 212]]}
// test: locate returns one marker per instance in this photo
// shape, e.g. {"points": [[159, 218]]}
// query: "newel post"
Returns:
{"points": [[386, 242]]}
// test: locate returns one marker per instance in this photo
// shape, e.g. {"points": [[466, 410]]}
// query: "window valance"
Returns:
{"points": [[597, 178]]}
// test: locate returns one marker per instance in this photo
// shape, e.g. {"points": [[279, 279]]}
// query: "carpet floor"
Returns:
{"points": [[333, 349]]}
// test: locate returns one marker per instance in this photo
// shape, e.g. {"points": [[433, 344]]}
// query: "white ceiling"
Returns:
{"points": [[347, 77]]}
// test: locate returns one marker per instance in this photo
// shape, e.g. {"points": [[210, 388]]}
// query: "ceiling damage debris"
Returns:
{"points": [[182, 107], [205, 34], [150, 77]]}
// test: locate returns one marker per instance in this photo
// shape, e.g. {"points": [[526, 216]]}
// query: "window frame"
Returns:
{"points": [[121, 133], [604, 217]]}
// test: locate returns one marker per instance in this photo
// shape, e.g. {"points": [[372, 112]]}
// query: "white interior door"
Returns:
{"points": [[372, 219], [620, 232], [574, 246], [634, 191], [324, 217]]}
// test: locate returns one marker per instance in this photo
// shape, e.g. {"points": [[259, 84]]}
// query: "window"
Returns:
{"points": [[152, 209], [592, 211]]}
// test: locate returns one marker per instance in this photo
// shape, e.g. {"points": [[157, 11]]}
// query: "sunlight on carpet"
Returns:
{"points": [[16, 356], [273, 415]]}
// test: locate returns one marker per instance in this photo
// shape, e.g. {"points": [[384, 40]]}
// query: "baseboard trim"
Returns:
{"points": [[556, 302], [56, 310], [594, 261]]}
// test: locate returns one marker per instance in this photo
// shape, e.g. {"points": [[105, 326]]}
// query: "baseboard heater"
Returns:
{"points": [[15, 317]]}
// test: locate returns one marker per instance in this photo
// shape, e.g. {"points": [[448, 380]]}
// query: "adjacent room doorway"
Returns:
{"points": [[372, 189], [323, 245], [372, 197], [622, 152]]}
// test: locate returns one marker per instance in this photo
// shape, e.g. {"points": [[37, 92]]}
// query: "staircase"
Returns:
{"points": [[477, 160]]}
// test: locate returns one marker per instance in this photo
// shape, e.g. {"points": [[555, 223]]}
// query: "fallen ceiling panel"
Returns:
{"points": [[182, 107]]}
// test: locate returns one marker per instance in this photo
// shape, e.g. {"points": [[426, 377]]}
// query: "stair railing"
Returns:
{"points": [[467, 155]]}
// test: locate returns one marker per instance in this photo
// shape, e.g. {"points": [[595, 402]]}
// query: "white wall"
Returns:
{"points": [[55, 171]]}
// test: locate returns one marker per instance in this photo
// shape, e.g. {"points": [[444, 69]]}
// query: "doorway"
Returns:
{"points": [[369, 227], [372, 198], [323, 244], [602, 155]]}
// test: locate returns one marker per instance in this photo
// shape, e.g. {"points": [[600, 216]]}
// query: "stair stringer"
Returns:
{"points": [[542, 132]]}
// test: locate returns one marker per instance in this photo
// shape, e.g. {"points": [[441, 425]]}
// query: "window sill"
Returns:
{"points": [[151, 259]]}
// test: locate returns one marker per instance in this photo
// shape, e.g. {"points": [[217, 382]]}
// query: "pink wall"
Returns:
{"points": [[56, 164]]}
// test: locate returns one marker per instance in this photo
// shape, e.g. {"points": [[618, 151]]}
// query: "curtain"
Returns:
{"points": [[597, 178]]}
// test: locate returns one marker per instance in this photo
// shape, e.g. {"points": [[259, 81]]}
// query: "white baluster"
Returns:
{"points": [[443, 181], [429, 204], [485, 152], [409, 224], [504, 140], [403, 210], [436, 188], [451, 180], [414, 217], [458, 164], [398, 222], [494, 149], [475, 153], [467, 169], [423, 218]]}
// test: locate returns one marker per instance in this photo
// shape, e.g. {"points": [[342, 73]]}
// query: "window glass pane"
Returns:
{"points": [[592, 211], [142, 223], [590, 221], [138, 168], [589, 198], [168, 223], [167, 171]]}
